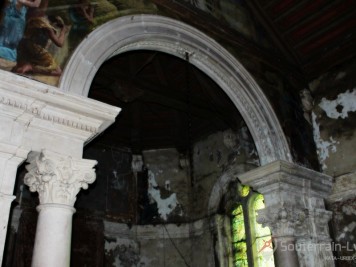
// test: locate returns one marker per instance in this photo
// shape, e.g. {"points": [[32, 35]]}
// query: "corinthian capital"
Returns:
{"points": [[283, 221], [58, 178]]}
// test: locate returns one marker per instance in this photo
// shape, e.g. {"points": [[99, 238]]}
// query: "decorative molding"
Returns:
{"points": [[40, 110], [58, 179], [283, 221], [129, 33], [294, 204], [296, 176], [25, 99]]}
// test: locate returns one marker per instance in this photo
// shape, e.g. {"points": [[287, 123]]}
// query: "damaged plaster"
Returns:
{"points": [[164, 206], [341, 106], [323, 147]]}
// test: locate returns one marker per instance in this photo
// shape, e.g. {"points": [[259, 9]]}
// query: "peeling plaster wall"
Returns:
{"points": [[165, 205], [334, 123], [212, 156], [169, 180], [334, 119]]}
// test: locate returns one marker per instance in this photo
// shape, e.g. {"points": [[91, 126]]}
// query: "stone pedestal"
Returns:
{"points": [[57, 179], [295, 212]]}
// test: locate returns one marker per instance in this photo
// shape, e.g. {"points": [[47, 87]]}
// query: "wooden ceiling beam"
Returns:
{"points": [[264, 19]]}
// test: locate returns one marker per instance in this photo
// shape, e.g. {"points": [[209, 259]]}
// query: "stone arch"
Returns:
{"points": [[153, 32]]}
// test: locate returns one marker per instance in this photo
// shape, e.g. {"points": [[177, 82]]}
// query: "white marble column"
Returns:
{"points": [[295, 212], [36, 116], [57, 179]]}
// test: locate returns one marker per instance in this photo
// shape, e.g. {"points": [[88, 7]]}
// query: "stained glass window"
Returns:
{"points": [[250, 240], [239, 237], [263, 237]]}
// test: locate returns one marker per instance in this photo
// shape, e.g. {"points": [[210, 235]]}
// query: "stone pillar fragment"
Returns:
{"points": [[57, 179], [295, 212]]}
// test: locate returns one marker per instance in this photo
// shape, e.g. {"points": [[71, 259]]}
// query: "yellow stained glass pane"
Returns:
{"points": [[243, 190], [259, 229], [259, 202], [263, 238]]}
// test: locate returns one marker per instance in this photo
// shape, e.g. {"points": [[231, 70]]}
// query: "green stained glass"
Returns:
{"points": [[239, 237], [238, 226], [240, 254]]}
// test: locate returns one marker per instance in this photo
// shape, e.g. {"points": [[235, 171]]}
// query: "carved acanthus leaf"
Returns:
{"points": [[57, 178]]}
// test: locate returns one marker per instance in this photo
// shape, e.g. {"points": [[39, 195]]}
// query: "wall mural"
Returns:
{"points": [[37, 37]]}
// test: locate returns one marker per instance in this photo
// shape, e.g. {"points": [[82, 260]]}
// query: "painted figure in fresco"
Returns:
{"points": [[82, 19], [82, 15], [40, 11], [12, 26], [33, 56]]}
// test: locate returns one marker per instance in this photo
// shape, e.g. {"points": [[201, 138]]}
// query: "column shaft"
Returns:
{"points": [[53, 236], [57, 179]]}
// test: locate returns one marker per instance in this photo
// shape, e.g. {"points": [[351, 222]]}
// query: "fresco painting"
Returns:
{"points": [[37, 37]]}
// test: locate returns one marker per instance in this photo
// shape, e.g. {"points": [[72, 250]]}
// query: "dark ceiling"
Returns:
{"points": [[166, 102], [316, 34]]}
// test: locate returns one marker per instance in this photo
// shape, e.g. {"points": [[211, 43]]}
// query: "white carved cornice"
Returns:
{"points": [[38, 109], [44, 106], [58, 179]]}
